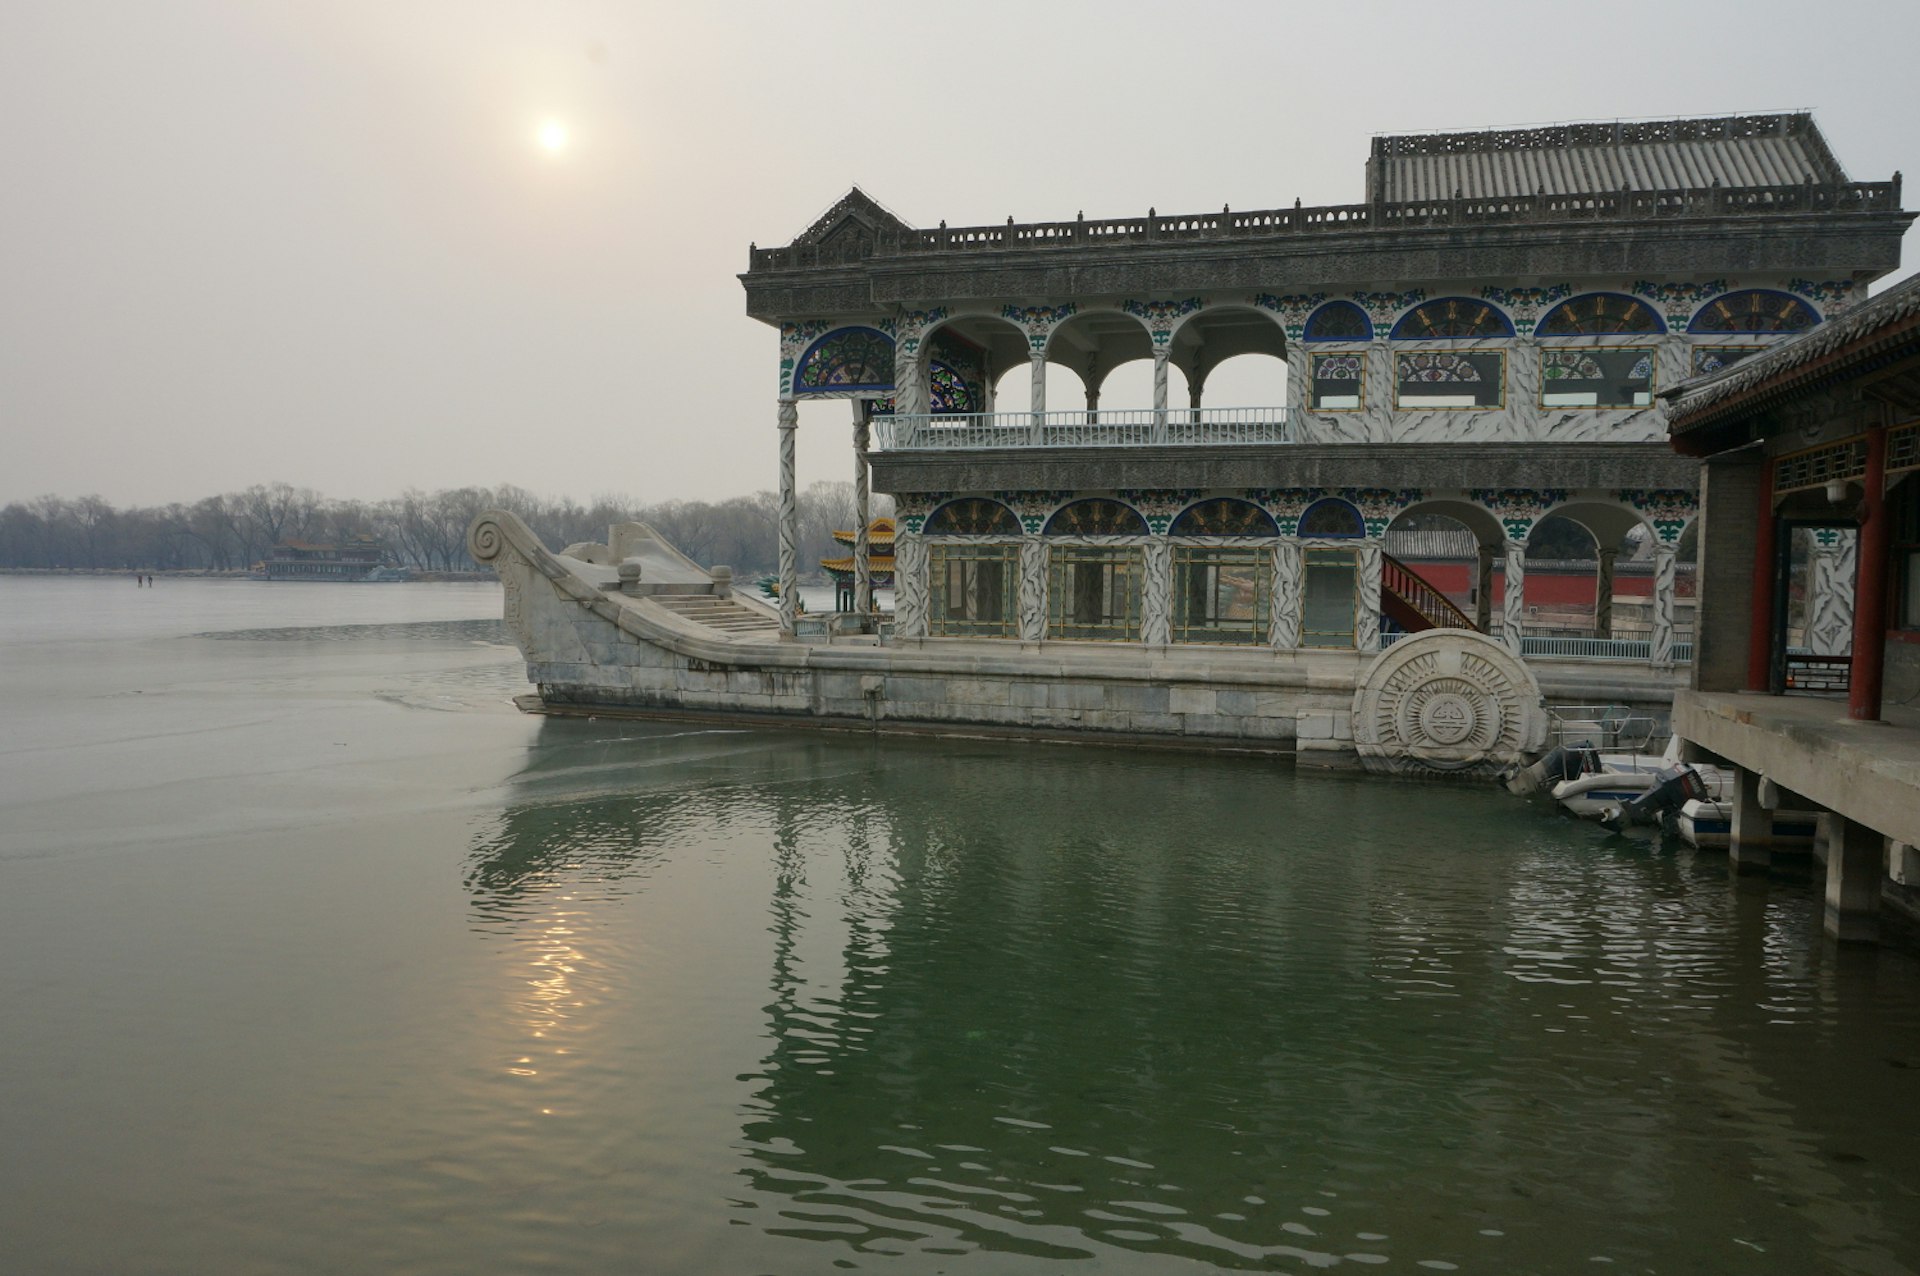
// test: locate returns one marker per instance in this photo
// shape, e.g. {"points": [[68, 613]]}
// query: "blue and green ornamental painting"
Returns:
{"points": [[846, 359]]}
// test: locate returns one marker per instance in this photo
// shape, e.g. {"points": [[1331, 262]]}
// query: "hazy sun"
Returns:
{"points": [[552, 137]]}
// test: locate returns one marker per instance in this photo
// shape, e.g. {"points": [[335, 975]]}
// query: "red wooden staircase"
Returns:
{"points": [[1411, 603]]}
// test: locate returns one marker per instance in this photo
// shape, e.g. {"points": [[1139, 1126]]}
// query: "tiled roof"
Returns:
{"points": [[1898, 305], [1569, 159]]}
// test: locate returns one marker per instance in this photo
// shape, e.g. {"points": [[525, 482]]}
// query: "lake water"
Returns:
{"points": [[316, 956]]}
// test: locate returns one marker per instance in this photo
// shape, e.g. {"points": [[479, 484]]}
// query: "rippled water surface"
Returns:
{"points": [[316, 956]]}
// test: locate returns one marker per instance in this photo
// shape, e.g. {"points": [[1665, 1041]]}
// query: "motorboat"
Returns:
{"points": [[1710, 824]]}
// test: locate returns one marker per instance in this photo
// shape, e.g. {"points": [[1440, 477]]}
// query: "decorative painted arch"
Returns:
{"points": [[845, 360], [1338, 321], [1446, 318], [1224, 516], [1332, 517], [972, 516], [1754, 310], [1097, 516], [1601, 314]]}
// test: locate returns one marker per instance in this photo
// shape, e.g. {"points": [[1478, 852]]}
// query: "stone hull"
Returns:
{"points": [[592, 648]]}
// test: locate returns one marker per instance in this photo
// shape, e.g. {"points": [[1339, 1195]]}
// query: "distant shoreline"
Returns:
{"points": [[194, 573]]}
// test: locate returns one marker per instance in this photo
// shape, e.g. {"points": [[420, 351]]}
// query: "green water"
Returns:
{"points": [[317, 957]]}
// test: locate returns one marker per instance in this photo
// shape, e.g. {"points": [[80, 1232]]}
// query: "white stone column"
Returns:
{"points": [[1665, 571], [1603, 595], [1299, 394], [1830, 604], [1159, 394], [1483, 590], [1366, 603], [1033, 589], [1522, 398], [862, 566], [1156, 595], [1038, 393], [909, 382], [1513, 605], [1283, 625], [1378, 404], [789, 521], [909, 586]]}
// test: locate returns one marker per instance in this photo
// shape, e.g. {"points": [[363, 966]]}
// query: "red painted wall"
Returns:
{"points": [[1546, 587]]}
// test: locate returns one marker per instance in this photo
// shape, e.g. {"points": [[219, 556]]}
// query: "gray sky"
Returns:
{"points": [[319, 242]]}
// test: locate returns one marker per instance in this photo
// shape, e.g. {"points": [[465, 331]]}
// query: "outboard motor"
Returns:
{"points": [[1672, 789], [1564, 762]]}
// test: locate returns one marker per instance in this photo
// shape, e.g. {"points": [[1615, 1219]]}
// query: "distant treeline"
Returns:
{"points": [[423, 530]]}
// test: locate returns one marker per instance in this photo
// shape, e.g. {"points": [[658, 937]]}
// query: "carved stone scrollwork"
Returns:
{"points": [[1447, 702], [487, 542]]}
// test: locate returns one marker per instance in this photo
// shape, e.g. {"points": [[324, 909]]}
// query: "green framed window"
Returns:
{"points": [[1328, 617], [1094, 592], [1339, 381], [971, 591], [1450, 379], [1221, 595]]}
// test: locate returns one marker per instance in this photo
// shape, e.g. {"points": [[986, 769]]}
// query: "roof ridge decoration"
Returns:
{"points": [[1791, 124], [866, 213]]}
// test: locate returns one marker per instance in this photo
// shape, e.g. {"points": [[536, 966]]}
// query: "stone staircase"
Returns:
{"points": [[722, 614]]}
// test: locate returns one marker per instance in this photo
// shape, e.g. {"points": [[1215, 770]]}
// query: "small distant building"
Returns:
{"points": [[1812, 452], [879, 562], [356, 558]]}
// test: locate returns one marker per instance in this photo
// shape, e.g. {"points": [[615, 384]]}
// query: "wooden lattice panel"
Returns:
{"points": [[1816, 467]]}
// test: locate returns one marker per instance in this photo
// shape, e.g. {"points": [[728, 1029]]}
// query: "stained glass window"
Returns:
{"points": [[948, 392], [1449, 317], [846, 359], [1332, 517], [1097, 518], [1224, 516], [1601, 314], [972, 516], [1339, 321], [1221, 595], [1755, 310], [1596, 377], [1449, 379], [971, 590], [1339, 381]]}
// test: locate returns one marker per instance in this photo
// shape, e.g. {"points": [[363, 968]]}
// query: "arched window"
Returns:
{"points": [[1338, 321], [1754, 310], [948, 392], [1601, 314], [1451, 317], [1097, 517], [972, 516], [846, 359], [1224, 517], [1332, 517]]}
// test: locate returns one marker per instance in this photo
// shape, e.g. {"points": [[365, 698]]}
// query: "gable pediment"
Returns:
{"points": [[851, 224]]}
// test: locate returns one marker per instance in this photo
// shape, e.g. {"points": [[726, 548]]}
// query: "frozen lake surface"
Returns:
{"points": [[317, 956]]}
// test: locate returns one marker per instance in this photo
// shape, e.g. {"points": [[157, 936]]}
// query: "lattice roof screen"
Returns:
{"points": [[1568, 159]]}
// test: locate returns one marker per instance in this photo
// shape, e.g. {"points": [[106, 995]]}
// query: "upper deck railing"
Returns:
{"points": [[1602, 206], [1126, 427]]}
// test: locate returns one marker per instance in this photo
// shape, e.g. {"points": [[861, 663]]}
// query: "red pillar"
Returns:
{"points": [[1760, 632], [1870, 587]]}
